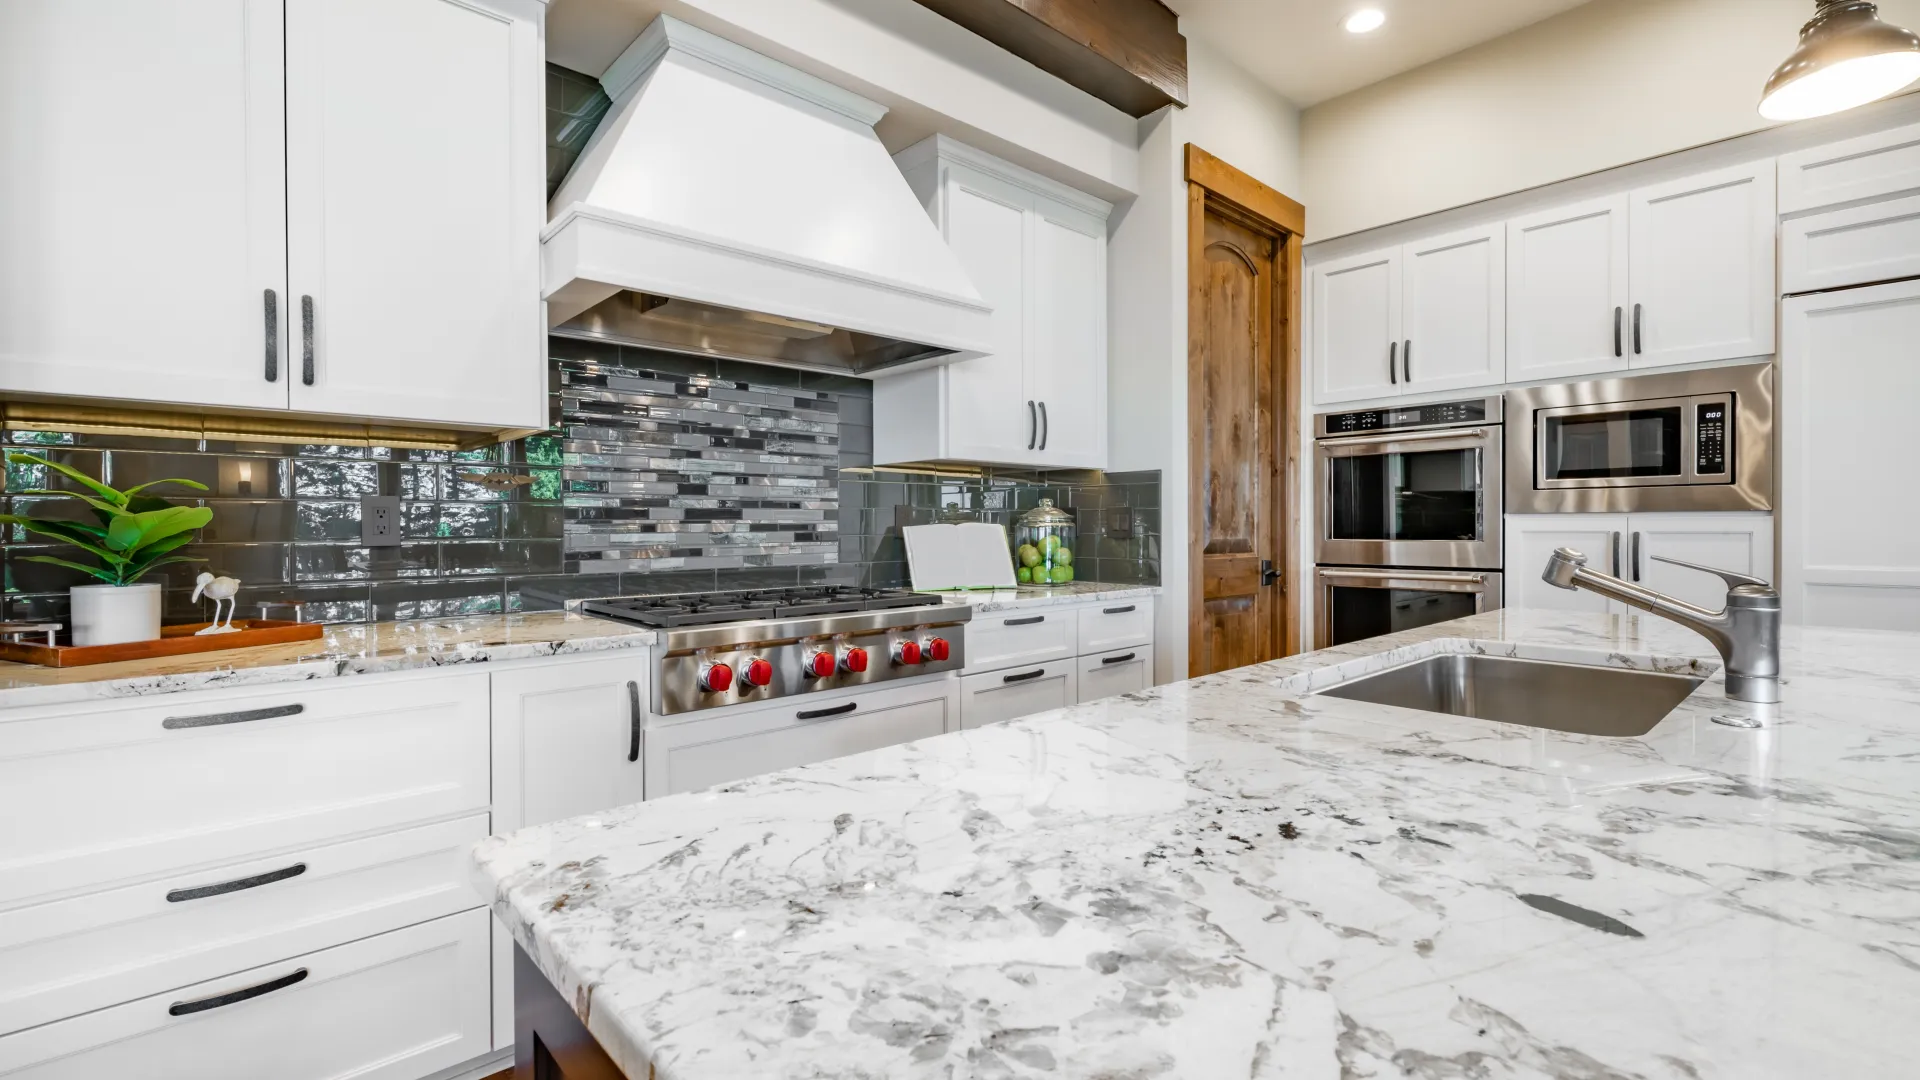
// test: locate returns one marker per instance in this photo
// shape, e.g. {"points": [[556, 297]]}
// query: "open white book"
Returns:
{"points": [[972, 555]]}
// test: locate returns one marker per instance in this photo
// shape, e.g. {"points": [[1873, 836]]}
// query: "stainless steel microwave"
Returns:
{"points": [[1693, 440]]}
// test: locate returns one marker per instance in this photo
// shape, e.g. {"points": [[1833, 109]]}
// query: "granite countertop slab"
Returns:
{"points": [[359, 649], [985, 601], [1231, 877]]}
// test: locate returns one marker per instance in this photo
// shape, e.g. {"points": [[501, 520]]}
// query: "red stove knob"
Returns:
{"points": [[820, 665], [758, 672], [716, 678], [938, 650], [906, 652], [854, 660]]}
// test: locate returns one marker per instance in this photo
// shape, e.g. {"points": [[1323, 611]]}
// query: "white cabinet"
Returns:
{"points": [[1702, 253], [1850, 212], [1850, 535], [995, 696], [1624, 545], [143, 200], [1112, 674], [1567, 291], [567, 738], [1429, 315], [1037, 251], [253, 219]]}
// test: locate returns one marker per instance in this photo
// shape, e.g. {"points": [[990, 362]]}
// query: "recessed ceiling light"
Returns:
{"points": [[1366, 21]]}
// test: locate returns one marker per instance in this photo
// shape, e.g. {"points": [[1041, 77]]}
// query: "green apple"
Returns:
{"points": [[1063, 557], [1029, 555], [1049, 545], [1024, 575], [1062, 574]]}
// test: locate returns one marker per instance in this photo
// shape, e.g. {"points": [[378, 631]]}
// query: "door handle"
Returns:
{"points": [[306, 340], [272, 301], [1406, 363], [1393, 363], [1268, 575], [1044, 426], [1616, 554], [1618, 312], [1636, 556], [1033, 426], [633, 715], [1636, 329]]}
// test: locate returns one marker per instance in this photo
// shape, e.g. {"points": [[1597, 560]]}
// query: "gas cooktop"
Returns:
{"points": [[710, 608]]}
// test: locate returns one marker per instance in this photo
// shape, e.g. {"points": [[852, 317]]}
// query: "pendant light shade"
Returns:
{"points": [[1847, 57]]}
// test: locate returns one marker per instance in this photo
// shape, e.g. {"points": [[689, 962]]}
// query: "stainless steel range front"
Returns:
{"points": [[719, 649]]}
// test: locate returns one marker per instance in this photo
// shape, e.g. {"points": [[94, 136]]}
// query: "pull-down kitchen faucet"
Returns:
{"points": [[1746, 630]]}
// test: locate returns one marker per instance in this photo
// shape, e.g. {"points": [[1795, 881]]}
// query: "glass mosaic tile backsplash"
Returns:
{"points": [[662, 473]]}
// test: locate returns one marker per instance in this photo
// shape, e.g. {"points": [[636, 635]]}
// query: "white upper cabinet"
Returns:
{"points": [[1567, 291], [1702, 253], [1454, 311], [1850, 212], [1037, 251], [415, 201], [1356, 327], [188, 174], [143, 201]]}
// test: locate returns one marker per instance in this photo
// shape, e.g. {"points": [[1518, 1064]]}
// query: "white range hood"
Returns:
{"points": [[730, 205]]}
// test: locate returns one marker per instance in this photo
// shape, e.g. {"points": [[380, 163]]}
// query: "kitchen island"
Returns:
{"points": [[1237, 877]]}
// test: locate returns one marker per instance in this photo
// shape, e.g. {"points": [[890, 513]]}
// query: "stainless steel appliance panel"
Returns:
{"points": [[1411, 498], [1356, 604]]}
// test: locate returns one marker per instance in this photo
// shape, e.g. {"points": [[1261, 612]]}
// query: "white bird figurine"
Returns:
{"points": [[217, 589]]}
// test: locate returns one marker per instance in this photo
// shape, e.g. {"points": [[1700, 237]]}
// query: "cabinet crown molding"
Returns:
{"points": [[667, 34]]}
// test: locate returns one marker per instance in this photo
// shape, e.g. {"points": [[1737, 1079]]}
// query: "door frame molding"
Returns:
{"points": [[1211, 182]]}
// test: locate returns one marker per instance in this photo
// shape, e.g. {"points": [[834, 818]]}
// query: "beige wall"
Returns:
{"points": [[1237, 118], [1602, 85]]}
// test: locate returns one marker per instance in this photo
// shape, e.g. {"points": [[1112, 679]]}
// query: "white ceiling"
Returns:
{"points": [[1300, 48]]}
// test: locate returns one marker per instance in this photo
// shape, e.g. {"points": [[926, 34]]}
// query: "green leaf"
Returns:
{"points": [[102, 509], [57, 530], [94, 532], [107, 576], [135, 575], [131, 532], [99, 488], [138, 488], [152, 552]]}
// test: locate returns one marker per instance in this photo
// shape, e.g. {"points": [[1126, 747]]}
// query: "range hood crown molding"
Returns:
{"points": [[666, 33]]}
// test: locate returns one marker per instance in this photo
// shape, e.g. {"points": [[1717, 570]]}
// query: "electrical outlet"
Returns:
{"points": [[380, 520]]}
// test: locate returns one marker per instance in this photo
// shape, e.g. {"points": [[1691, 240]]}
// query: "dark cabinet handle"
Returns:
{"points": [[1636, 329], [1025, 676], [1393, 362], [1636, 556], [822, 714], [1118, 659], [175, 723], [306, 340], [187, 1008], [1033, 426], [1617, 313], [1406, 363], [633, 714], [201, 892], [1044, 426], [1120, 610], [272, 302], [1027, 621], [1616, 554]]}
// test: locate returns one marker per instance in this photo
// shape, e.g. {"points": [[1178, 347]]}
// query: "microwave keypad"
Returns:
{"points": [[1712, 440]]}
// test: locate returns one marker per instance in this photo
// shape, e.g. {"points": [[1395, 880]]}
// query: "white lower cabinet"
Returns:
{"points": [[1024, 636], [1625, 545], [1125, 672], [396, 1006], [698, 751], [995, 696], [1532, 538]]}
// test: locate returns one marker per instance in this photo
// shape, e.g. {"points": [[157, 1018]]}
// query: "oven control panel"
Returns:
{"points": [[1710, 439], [1437, 414]]}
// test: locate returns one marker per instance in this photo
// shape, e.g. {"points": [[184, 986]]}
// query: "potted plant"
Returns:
{"points": [[134, 534]]}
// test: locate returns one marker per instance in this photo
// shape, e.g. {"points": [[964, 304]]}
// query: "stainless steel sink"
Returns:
{"points": [[1535, 693]]}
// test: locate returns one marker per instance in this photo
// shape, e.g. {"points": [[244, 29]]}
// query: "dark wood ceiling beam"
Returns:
{"points": [[1128, 53]]}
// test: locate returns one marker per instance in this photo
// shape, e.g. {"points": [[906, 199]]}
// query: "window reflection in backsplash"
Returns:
{"points": [[664, 473]]}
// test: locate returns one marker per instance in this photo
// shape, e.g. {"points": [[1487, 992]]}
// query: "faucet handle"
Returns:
{"points": [[1732, 579]]}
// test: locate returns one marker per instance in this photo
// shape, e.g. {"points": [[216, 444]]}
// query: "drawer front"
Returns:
{"points": [[699, 754], [197, 780], [1867, 167], [1105, 675], [76, 955], [1007, 638], [397, 1006], [1119, 624], [1861, 244], [1008, 695]]}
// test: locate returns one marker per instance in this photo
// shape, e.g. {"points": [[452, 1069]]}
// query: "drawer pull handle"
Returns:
{"points": [[1120, 610], [201, 892], [1025, 675], [822, 714], [187, 1008], [633, 712], [175, 723], [1119, 659], [1027, 622]]}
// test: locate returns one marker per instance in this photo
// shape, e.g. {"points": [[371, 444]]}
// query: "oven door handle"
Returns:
{"points": [[1407, 436], [1399, 575]]}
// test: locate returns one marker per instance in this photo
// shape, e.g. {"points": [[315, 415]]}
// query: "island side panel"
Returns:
{"points": [[549, 1041]]}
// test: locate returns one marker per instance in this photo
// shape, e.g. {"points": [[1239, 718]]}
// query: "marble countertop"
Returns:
{"points": [[1233, 877], [358, 649], [1080, 592]]}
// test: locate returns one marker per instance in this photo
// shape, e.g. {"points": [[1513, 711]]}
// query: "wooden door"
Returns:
{"points": [[143, 201], [1567, 291], [1702, 255], [1454, 311], [1356, 327]]}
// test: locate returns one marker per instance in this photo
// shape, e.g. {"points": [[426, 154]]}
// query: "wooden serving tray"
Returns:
{"points": [[173, 641]]}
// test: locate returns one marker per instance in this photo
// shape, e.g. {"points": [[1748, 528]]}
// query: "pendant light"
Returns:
{"points": [[1847, 57]]}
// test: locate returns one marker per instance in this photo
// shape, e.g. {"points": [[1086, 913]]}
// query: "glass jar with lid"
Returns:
{"points": [[1045, 545]]}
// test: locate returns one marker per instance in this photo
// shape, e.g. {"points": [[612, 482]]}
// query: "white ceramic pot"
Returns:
{"points": [[112, 614]]}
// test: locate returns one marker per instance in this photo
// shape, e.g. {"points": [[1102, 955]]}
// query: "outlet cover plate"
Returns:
{"points": [[380, 524]]}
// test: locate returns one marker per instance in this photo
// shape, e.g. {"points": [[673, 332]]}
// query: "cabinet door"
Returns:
{"points": [[1741, 543], [1066, 370], [1356, 327], [1008, 695], [1455, 311], [1703, 268], [1850, 527], [566, 739], [1532, 538], [987, 415], [1567, 291], [143, 201], [1105, 675], [415, 202]]}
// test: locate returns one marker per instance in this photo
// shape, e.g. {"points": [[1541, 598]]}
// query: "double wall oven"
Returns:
{"points": [[1409, 520]]}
